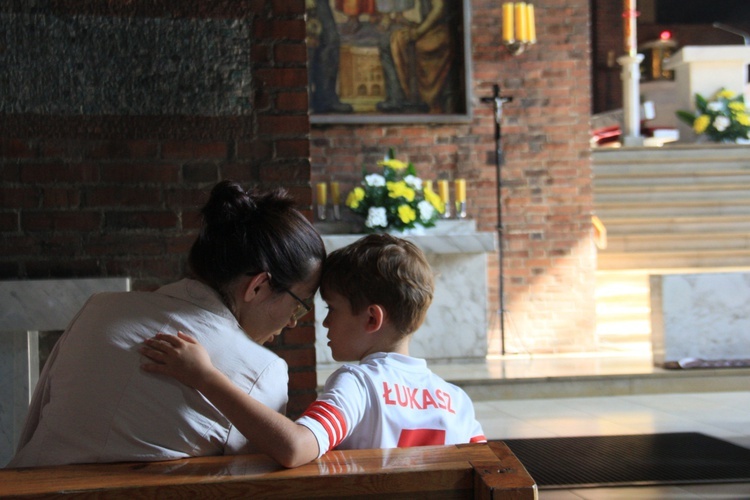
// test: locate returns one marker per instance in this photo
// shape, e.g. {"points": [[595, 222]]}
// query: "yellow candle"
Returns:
{"points": [[335, 193], [427, 185], [322, 192], [530, 21], [508, 22], [460, 186], [521, 28], [443, 191]]}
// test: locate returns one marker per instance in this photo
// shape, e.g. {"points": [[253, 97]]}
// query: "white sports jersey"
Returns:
{"points": [[390, 401]]}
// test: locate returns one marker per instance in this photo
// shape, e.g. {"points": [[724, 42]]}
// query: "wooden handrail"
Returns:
{"points": [[485, 471]]}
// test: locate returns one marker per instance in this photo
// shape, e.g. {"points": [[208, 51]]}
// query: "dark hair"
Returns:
{"points": [[385, 270], [251, 232]]}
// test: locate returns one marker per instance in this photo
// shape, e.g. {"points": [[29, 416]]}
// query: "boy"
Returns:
{"points": [[378, 290]]}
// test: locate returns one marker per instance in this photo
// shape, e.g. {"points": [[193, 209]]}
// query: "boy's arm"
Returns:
{"points": [[183, 358]]}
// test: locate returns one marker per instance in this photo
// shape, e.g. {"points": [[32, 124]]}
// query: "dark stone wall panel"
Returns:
{"points": [[93, 65]]}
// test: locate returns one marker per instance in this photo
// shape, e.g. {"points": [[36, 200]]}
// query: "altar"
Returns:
{"points": [[456, 325]]}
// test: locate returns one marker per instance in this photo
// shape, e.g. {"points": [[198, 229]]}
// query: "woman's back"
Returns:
{"points": [[94, 371]]}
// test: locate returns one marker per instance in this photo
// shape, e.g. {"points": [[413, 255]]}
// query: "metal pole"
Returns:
{"points": [[497, 100]]}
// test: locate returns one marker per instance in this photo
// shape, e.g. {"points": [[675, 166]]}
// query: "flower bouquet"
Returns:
{"points": [[723, 118], [396, 199]]}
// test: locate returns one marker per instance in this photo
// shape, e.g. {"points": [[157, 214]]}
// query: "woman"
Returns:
{"points": [[255, 268]]}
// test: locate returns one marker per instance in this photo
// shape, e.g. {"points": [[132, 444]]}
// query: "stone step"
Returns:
{"points": [[656, 382], [677, 225], [697, 242], [674, 260]]}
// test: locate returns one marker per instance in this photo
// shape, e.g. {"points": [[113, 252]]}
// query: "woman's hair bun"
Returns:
{"points": [[228, 203]]}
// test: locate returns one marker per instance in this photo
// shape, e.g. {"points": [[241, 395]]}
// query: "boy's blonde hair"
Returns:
{"points": [[384, 270]]}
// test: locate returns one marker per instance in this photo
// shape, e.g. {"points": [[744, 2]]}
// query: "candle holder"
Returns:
{"points": [[460, 209]]}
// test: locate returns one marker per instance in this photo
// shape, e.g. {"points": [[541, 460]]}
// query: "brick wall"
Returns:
{"points": [[110, 143], [548, 258]]}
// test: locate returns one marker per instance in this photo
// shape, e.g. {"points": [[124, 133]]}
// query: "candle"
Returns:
{"points": [[630, 33], [335, 193], [521, 28], [427, 185], [460, 186], [508, 22], [530, 21], [322, 192], [443, 191]]}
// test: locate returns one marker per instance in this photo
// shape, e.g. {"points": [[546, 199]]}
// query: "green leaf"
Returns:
{"points": [[686, 117]]}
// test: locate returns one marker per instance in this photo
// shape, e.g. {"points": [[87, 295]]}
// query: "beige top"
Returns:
{"points": [[93, 403]]}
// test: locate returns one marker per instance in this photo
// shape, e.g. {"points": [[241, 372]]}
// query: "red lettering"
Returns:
{"points": [[441, 401], [413, 399], [448, 405], [427, 400], [405, 401], [387, 394]]}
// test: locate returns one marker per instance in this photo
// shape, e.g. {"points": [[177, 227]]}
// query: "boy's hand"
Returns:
{"points": [[181, 357]]}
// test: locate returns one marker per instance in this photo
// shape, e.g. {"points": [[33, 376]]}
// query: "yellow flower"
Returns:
{"points": [[406, 214], [701, 124], [736, 106], [400, 189], [743, 119], [432, 197], [394, 164], [356, 195], [726, 94]]}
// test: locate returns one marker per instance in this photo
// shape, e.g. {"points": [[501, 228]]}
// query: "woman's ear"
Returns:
{"points": [[253, 286], [375, 318]]}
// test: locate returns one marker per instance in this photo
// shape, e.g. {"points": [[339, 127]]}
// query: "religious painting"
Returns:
{"points": [[391, 61]]}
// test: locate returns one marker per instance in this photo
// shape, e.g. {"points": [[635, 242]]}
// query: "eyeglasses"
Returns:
{"points": [[302, 306]]}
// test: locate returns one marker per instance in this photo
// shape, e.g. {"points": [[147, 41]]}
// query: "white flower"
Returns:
{"points": [[426, 210], [413, 181], [376, 217], [721, 123], [714, 106], [375, 180]]}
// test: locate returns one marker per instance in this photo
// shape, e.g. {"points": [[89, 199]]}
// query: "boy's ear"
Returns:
{"points": [[253, 286], [375, 318]]}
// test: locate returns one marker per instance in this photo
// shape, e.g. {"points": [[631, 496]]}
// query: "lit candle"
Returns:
{"points": [[322, 192], [530, 21], [460, 186], [508, 22], [443, 192], [521, 28], [335, 193]]}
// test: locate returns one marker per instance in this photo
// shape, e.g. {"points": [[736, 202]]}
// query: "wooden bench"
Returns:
{"points": [[484, 471]]}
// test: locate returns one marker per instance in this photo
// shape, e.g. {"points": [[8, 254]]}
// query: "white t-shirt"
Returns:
{"points": [[390, 401], [93, 403]]}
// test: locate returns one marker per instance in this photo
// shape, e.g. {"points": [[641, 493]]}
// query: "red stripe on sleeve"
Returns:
{"points": [[331, 419]]}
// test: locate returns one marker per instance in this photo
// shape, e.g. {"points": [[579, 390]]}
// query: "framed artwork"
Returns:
{"points": [[389, 61]]}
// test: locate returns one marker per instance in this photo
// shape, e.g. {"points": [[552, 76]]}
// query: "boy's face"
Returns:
{"points": [[347, 334]]}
